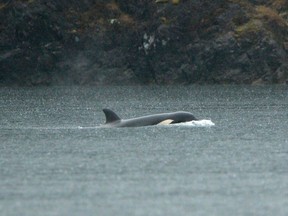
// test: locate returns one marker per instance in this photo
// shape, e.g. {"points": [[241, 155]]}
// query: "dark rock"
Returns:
{"points": [[140, 42]]}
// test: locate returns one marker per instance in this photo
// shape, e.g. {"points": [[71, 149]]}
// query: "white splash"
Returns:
{"points": [[198, 123]]}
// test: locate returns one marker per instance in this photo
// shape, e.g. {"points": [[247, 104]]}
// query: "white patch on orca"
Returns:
{"points": [[197, 123], [165, 122]]}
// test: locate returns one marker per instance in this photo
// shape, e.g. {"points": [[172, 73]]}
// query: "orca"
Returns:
{"points": [[113, 120]]}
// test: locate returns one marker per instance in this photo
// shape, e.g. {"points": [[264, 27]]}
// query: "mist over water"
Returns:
{"points": [[56, 160]]}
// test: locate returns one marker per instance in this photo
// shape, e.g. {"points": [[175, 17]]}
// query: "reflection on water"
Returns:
{"points": [[56, 160]]}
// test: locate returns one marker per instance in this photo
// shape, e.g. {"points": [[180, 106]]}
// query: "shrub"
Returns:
{"points": [[270, 15]]}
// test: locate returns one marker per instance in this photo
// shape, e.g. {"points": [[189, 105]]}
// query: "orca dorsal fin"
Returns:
{"points": [[111, 116]]}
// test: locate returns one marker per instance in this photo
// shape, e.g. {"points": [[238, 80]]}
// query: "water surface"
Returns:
{"points": [[55, 160]]}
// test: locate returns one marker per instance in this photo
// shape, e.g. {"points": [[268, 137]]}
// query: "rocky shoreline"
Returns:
{"points": [[143, 42]]}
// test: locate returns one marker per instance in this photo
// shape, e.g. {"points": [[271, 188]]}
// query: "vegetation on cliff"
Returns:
{"points": [[99, 42]]}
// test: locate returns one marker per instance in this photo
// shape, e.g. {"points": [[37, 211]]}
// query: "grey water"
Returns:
{"points": [[55, 160]]}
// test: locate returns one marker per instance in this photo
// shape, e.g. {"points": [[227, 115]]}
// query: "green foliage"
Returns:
{"points": [[262, 18]]}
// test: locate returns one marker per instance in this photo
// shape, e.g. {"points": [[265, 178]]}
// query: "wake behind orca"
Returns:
{"points": [[113, 120]]}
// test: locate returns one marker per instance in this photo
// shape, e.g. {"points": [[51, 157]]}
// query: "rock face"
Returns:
{"points": [[143, 42]]}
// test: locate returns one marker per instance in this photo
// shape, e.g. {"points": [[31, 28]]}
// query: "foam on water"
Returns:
{"points": [[198, 123]]}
